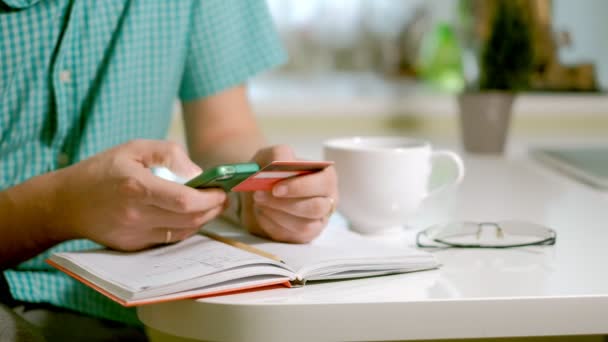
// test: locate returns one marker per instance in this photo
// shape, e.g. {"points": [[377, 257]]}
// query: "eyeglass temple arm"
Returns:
{"points": [[499, 231]]}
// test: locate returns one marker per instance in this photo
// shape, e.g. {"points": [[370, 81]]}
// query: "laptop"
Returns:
{"points": [[586, 164]]}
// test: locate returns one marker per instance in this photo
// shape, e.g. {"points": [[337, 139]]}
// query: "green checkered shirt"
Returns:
{"points": [[80, 76]]}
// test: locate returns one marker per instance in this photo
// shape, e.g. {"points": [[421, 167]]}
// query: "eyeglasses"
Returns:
{"points": [[502, 234]]}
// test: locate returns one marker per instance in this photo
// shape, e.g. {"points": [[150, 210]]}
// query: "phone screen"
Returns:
{"points": [[223, 176]]}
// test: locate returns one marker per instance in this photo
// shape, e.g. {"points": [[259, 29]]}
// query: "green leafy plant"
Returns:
{"points": [[507, 56]]}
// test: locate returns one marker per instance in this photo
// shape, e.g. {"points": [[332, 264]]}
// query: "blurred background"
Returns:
{"points": [[399, 66], [430, 40]]}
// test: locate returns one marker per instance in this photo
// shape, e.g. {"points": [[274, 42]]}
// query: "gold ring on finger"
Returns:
{"points": [[168, 236]]}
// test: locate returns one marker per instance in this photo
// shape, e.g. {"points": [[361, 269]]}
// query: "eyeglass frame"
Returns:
{"points": [[549, 241]]}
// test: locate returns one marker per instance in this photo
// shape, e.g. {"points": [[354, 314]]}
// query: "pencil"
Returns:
{"points": [[241, 245]]}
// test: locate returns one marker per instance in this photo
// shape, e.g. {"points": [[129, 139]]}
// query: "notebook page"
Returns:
{"points": [[340, 250], [336, 250], [194, 257]]}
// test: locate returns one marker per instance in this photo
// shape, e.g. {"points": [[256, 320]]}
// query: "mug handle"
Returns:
{"points": [[454, 158]]}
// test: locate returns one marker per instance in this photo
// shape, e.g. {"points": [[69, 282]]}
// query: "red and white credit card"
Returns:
{"points": [[277, 171]]}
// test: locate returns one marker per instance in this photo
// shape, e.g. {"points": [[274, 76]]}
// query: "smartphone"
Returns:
{"points": [[224, 176]]}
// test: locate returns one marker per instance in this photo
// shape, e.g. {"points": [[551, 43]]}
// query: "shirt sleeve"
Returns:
{"points": [[230, 41]]}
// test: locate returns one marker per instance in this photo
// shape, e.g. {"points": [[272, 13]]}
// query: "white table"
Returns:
{"points": [[536, 291]]}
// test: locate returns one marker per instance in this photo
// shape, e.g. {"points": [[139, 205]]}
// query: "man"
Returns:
{"points": [[86, 93]]}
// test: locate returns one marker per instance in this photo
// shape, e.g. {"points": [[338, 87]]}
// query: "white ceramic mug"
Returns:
{"points": [[383, 180]]}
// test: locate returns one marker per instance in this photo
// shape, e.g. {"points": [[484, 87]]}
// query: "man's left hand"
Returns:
{"points": [[297, 209]]}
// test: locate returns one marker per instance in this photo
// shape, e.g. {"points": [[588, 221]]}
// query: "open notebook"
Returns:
{"points": [[200, 266]]}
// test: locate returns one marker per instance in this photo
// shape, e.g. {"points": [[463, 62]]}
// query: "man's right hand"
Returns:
{"points": [[114, 199]]}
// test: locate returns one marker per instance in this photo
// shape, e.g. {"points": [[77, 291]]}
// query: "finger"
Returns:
{"points": [[284, 227], [159, 217], [309, 208], [273, 230], [162, 236], [165, 153], [322, 183], [172, 234], [269, 154], [179, 198]]}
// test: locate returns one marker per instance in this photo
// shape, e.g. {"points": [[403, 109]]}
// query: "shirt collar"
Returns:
{"points": [[19, 4]]}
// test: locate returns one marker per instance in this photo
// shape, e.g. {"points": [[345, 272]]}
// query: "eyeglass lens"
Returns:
{"points": [[502, 233]]}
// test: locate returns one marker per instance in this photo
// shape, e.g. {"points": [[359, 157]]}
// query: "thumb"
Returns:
{"points": [[269, 154], [165, 153]]}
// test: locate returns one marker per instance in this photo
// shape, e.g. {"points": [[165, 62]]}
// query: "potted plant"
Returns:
{"points": [[505, 67]]}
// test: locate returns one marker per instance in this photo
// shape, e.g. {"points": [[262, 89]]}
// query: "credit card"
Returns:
{"points": [[277, 171]]}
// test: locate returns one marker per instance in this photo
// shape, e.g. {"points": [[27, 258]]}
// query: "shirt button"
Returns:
{"points": [[63, 160], [65, 76]]}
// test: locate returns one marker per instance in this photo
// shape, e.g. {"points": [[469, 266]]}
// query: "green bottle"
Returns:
{"points": [[440, 60]]}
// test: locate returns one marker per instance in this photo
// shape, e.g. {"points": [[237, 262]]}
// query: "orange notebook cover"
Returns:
{"points": [[200, 266], [271, 284]]}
